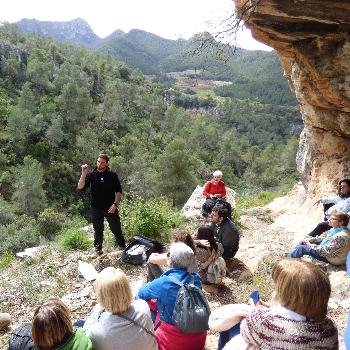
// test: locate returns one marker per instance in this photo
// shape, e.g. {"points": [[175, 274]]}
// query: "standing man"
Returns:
{"points": [[225, 232], [105, 196]]}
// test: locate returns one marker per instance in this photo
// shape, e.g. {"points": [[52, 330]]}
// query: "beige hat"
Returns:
{"points": [[5, 319]]}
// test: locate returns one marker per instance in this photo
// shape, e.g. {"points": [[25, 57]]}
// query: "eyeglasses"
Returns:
{"points": [[167, 257], [333, 219]]}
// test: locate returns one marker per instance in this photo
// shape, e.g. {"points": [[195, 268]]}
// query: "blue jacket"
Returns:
{"points": [[165, 290]]}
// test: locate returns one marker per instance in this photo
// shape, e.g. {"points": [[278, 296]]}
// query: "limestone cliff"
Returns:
{"points": [[77, 31], [312, 39]]}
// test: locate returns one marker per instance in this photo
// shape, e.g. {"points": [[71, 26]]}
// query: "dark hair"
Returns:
{"points": [[221, 210], [104, 156], [206, 232], [185, 237]]}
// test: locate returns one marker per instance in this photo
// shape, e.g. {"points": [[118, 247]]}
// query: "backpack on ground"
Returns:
{"points": [[132, 254], [191, 311], [21, 338]]}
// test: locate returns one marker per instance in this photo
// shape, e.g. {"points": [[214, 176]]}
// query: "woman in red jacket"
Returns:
{"points": [[215, 192]]}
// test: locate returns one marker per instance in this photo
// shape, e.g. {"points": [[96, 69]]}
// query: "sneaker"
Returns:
{"points": [[205, 215]]}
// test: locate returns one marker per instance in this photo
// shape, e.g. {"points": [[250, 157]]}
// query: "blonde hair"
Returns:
{"points": [[51, 322], [302, 287], [113, 290]]}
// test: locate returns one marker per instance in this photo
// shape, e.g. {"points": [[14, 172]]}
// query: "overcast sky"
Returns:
{"points": [[168, 19]]}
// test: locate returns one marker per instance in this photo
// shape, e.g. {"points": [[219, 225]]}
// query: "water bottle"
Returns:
{"points": [[144, 259]]}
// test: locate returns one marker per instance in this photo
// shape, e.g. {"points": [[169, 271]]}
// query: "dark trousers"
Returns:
{"points": [[154, 271], [319, 229], [97, 218], [209, 204]]}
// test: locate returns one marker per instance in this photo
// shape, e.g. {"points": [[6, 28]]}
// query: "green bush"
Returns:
{"points": [[148, 218], [6, 259], [20, 234], [75, 239], [48, 222]]}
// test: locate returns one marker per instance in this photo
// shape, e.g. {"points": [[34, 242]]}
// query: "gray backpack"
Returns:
{"points": [[191, 311]]}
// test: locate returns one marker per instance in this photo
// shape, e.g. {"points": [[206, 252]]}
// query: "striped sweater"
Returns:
{"points": [[269, 331]]}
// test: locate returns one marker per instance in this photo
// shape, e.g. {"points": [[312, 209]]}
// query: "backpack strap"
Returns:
{"points": [[161, 318], [175, 280]]}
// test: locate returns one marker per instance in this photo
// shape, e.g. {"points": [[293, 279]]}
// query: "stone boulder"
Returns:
{"points": [[192, 208]]}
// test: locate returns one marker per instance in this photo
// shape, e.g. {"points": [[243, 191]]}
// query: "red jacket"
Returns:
{"points": [[219, 189]]}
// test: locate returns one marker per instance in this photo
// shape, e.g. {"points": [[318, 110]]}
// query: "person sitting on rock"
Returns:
{"points": [[226, 232], [339, 203], [215, 192], [298, 322], [331, 249]]}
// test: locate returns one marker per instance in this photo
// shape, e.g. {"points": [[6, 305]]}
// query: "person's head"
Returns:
{"points": [[338, 218], [102, 162], [113, 290], [181, 255], [217, 175], [51, 322], [185, 237], [218, 214], [206, 232], [344, 188], [302, 287]]}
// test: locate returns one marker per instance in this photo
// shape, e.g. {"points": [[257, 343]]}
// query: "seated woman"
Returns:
{"points": [[299, 320], [52, 328], [339, 203], [215, 192], [205, 240], [165, 291], [127, 326], [331, 249], [154, 270]]}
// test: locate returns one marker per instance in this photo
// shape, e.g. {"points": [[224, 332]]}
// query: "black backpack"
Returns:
{"points": [[150, 246], [191, 311], [21, 338]]}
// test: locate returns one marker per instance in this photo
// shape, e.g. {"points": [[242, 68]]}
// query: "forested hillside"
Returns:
{"points": [[256, 75], [61, 105]]}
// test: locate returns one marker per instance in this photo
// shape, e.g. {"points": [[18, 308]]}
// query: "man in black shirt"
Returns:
{"points": [[106, 192], [225, 231]]}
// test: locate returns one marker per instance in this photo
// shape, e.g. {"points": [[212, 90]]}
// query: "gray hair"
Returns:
{"points": [[181, 254], [217, 173]]}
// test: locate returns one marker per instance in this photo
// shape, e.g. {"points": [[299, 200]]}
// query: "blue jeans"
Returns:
{"points": [[303, 249], [228, 335]]}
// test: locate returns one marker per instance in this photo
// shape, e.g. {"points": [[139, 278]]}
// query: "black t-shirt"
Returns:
{"points": [[104, 186]]}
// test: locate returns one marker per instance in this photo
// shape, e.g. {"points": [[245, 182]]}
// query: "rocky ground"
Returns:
{"points": [[268, 233]]}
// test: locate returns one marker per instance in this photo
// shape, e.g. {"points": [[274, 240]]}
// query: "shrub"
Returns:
{"points": [[6, 259], [18, 235], [147, 217], [48, 222], [75, 239]]}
